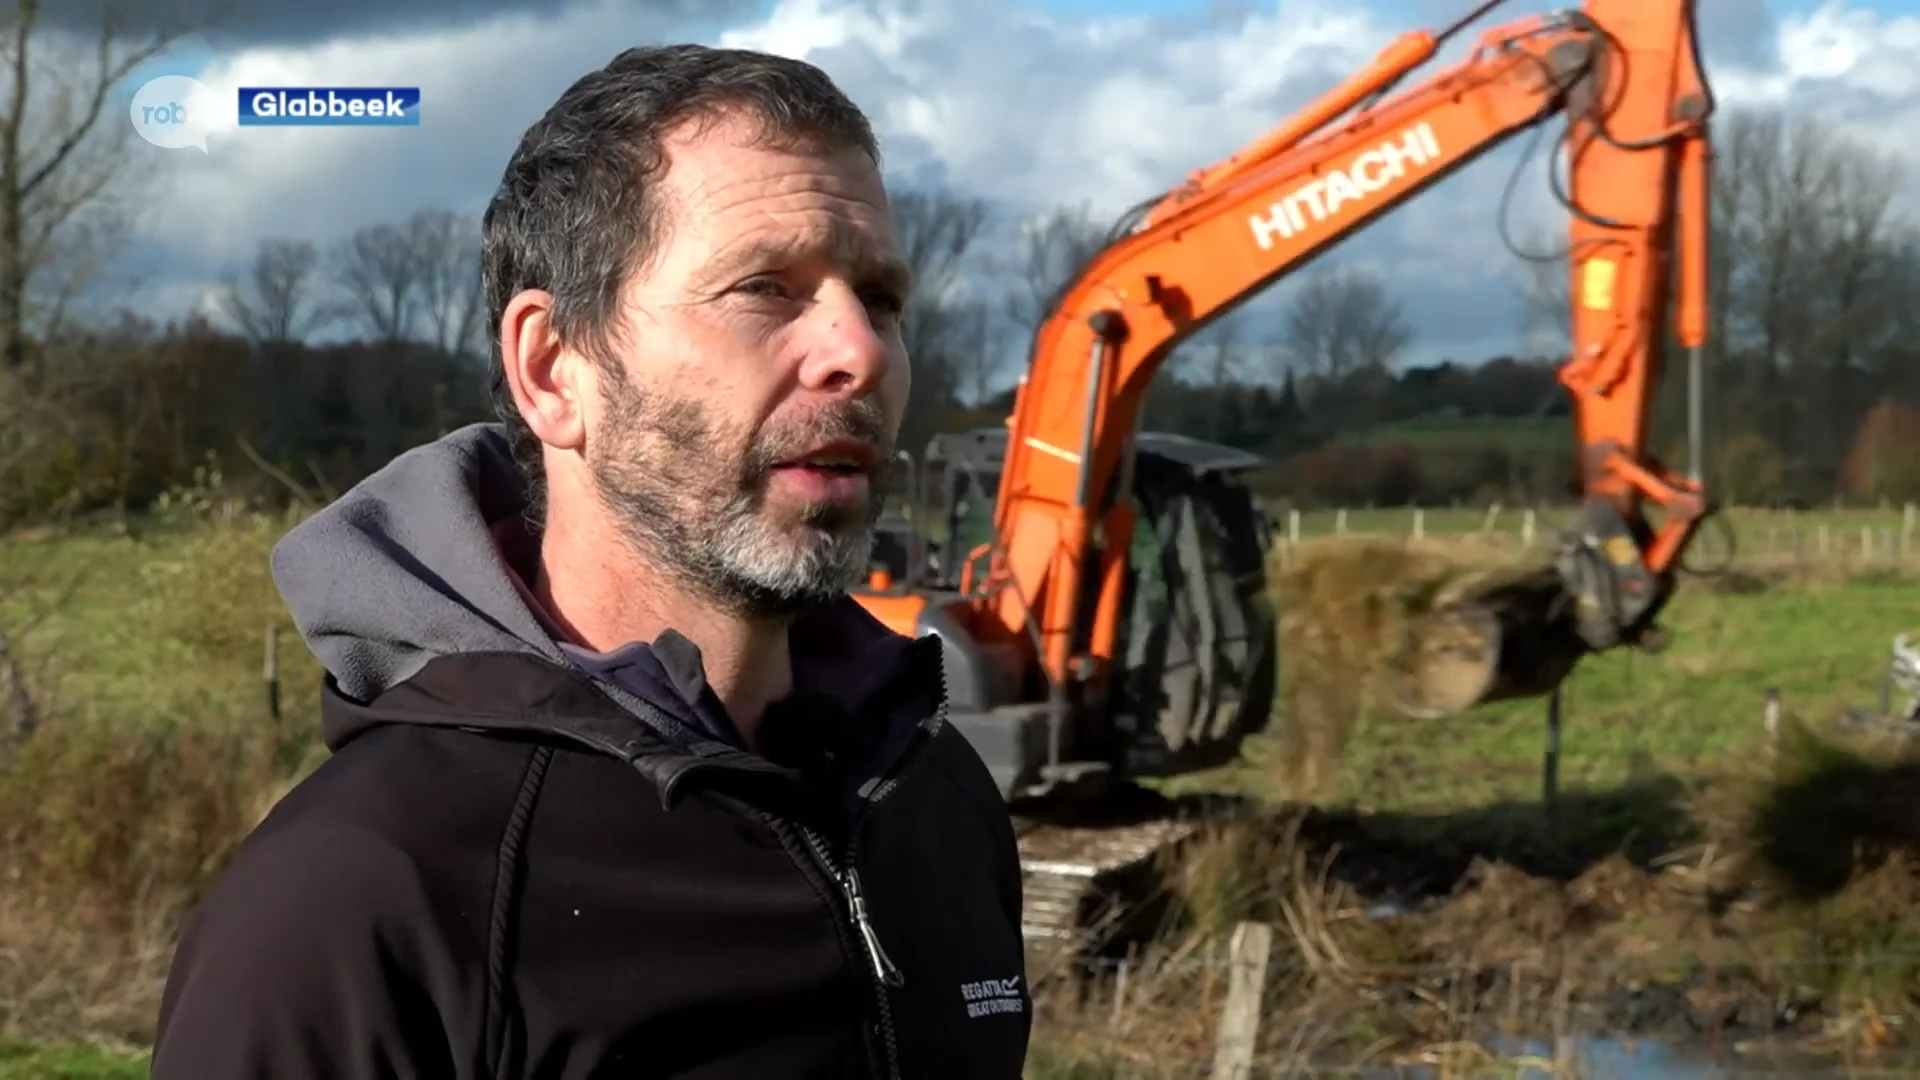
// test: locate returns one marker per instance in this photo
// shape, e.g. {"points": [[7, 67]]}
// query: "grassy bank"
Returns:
{"points": [[156, 752], [153, 754], [69, 1061]]}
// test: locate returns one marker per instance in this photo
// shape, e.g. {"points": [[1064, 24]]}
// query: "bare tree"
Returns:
{"points": [[945, 329], [447, 246], [1811, 284], [62, 161], [379, 269], [1545, 293], [969, 350], [1344, 327], [1810, 316], [1343, 322], [1053, 250], [1215, 359], [278, 303]]}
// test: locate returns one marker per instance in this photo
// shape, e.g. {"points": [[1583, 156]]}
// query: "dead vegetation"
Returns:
{"points": [[107, 836], [118, 808]]}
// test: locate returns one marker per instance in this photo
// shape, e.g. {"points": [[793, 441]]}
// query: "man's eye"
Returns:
{"points": [[763, 286]]}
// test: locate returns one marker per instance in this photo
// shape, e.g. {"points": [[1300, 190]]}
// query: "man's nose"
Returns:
{"points": [[845, 353]]}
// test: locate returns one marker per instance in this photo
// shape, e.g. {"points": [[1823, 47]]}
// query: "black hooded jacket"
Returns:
{"points": [[525, 861]]}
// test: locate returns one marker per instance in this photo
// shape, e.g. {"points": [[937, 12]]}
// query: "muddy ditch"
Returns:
{"points": [[1777, 915]]}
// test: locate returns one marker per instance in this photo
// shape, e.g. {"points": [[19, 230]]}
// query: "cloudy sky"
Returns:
{"points": [[1033, 103]]}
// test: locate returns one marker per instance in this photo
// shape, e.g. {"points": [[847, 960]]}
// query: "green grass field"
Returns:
{"points": [[168, 623], [141, 632], [68, 1061], [1823, 646], [1519, 435]]}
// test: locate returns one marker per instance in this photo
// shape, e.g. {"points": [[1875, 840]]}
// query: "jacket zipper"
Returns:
{"points": [[880, 967], [846, 874]]}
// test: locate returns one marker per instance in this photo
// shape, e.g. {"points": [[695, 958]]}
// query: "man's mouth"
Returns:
{"points": [[840, 473], [838, 459]]}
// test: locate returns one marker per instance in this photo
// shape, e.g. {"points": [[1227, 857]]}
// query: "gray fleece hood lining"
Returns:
{"points": [[407, 566]]}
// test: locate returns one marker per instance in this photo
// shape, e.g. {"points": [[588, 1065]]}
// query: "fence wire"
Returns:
{"points": [[1100, 966]]}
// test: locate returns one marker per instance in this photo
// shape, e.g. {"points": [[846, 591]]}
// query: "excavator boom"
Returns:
{"points": [[1624, 73]]}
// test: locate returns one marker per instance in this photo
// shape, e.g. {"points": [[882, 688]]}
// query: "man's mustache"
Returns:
{"points": [[861, 421]]}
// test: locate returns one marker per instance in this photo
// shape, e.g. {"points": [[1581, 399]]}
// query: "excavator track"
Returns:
{"points": [[1070, 872]]}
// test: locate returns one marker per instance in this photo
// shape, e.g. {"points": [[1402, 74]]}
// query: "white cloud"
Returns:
{"points": [[1853, 67], [1035, 110], [1043, 110]]}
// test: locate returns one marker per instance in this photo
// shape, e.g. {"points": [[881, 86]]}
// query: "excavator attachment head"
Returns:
{"points": [[1517, 639], [1522, 638]]}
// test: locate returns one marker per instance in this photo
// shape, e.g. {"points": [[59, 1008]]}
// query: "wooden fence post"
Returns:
{"points": [[1248, 954], [271, 670], [1770, 722]]}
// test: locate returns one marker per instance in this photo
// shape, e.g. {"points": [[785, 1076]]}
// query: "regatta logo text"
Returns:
{"points": [[990, 997], [1323, 196]]}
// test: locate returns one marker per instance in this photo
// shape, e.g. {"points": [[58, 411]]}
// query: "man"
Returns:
{"points": [[623, 784]]}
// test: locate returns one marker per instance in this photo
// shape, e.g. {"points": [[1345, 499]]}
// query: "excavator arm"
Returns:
{"points": [[1624, 75]]}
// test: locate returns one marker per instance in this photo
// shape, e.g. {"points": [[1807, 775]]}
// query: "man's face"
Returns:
{"points": [[759, 376]]}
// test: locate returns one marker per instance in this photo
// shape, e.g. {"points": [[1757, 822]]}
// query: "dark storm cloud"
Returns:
{"points": [[235, 23]]}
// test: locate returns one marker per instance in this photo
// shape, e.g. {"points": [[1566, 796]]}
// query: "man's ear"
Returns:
{"points": [[549, 381]]}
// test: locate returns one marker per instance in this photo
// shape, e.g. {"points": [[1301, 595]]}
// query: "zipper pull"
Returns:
{"points": [[857, 900]]}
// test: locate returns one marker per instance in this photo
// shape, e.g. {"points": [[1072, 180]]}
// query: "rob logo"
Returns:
{"points": [[174, 112]]}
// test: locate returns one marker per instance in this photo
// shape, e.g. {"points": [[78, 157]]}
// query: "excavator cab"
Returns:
{"points": [[1196, 665]]}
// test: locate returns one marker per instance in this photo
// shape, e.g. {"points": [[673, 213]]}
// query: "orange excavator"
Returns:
{"points": [[1100, 591]]}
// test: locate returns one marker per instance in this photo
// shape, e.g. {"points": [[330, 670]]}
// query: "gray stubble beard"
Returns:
{"points": [[675, 483]]}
